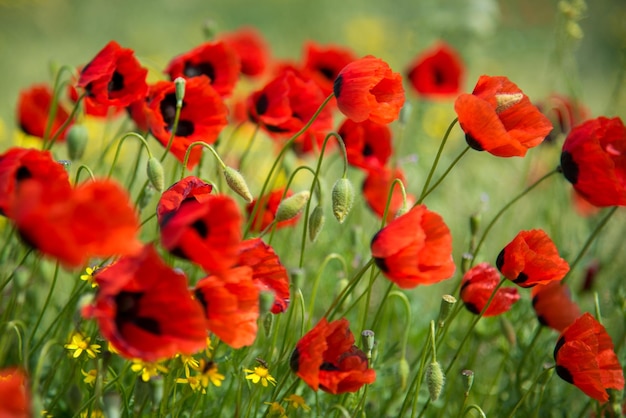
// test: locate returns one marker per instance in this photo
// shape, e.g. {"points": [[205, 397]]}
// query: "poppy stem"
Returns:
{"points": [[54, 106], [246, 152], [202, 144], [55, 276], [346, 291], [85, 168], [316, 282], [119, 147], [436, 162], [527, 350], [443, 176], [544, 377]]}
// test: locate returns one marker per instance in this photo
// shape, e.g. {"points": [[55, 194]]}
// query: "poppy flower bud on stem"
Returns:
{"points": [[404, 370], [435, 380], [266, 300], [316, 222], [447, 303], [342, 198], [77, 137], [292, 206], [156, 174], [268, 322], [237, 183], [179, 83], [468, 380], [369, 341], [145, 196]]}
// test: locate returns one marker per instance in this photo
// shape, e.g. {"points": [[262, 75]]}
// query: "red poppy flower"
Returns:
{"points": [[190, 188], [33, 112], [267, 210], [437, 72], [92, 107], [414, 249], [18, 164], [145, 310], [376, 188], [564, 113], [594, 161], [554, 306], [499, 118], [326, 358], [368, 144], [114, 77], [477, 286], [14, 394], [231, 305], [95, 219], [585, 357], [217, 60], [268, 273], [530, 259], [207, 232], [202, 117], [251, 48], [323, 64], [368, 89]]}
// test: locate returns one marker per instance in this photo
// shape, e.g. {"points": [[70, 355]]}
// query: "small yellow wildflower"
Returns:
{"points": [[260, 373], [112, 348], [94, 414], [200, 381], [188, 361], [88, 277], [276, 410], [297, 401], [45, 414], [78, 343], [147, 369], [90, 376]]}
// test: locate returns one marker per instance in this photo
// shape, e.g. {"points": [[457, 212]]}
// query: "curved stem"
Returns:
{"points": [[443, 176], [46, 303], [87, 169], [119, 147], [545, 374], [202, 144], [351, 284], [328, 259], [437, 157], [57, 88]]}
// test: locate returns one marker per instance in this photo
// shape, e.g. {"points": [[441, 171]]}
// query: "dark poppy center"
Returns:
{"points": [[203, 68], [116, 83], [201, 228], [439, 77], [22, 173], [327, 72], [569, 167], [382, 265], [367, 150], [473, 143], [328, 366], [261, 104], [294, 360], [168, 112], [337, 86], [128, 311]]}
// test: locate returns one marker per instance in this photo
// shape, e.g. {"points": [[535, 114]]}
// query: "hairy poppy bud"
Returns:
{"points": [[180, 82], [145, 196], [316, 222], [447, 303], [291, 207], [435, 380], [77, 137], [236, 182], [343, 198], [155, 174], [468, 380], [403, 370]]}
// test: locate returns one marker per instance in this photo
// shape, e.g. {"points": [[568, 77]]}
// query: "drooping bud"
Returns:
{"points": [[343, 198], [447, 303], [292, 206], [77, 137], [404, 370], [507, 100], [316, 222], [156, 174], [209, 29], [435, 380], [474, 223], [145, 196], [179, 84], [468, 380], [237, 183]]}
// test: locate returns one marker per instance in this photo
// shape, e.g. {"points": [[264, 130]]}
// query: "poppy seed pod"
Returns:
{"points": [[435, 380], [292, 206], [237, 183], [343, 198]]}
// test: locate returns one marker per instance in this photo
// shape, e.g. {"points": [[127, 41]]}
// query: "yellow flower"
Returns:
{"points": [[260, 373], [90, 376], [147, 369], [88, 277], [200, 381], [94, 414], [78, 344], [275, 410], [297, 401]]}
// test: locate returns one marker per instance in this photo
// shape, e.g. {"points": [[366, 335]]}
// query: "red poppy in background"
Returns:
{"points": [[594, 161], [207, 233], [251, 48], [326, 358], [478, 284], [231, 305], [530, 259], [18, 164], [266, 212], [33, 112], [376, 188], [437, 72], [190, 188], [143, 307], [554, 306], [368, 89], [138, 112], [268, 273], [322, 64], [414, 249], [95, 219], [585, 357], [114, 77], [92, 107], [202, 117], [14, 394], [564, 113], [368, 144], [499, 118], [217, 61]]}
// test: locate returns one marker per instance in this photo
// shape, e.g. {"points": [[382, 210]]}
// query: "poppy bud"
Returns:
{"points": [[435, 380], [474, 223], [77, 137], [574, 30], [266, 300], [292, 206], [447, 303], [403, 371], [180, 82], [209, 29], [112, 404], [508, 331], [369, 341], [343, 198], [236, 182], [405, 113], [146, 196], [468, 380], [268, 322], [316, 222], [297, 278], [155, 173]]}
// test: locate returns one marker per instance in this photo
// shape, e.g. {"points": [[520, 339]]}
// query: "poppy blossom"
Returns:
{"points": [[564, 113], [202, 117], [268, 205], [33, 113], [376, 188], [414, 249], [114, 77], [553, 305], [189, 188], [207, 233], [92, 107], [14, 394], [585, 357], [322, 64], [268, 273], [231, 305], [368, 89], [437, 72], [477, 286], [251, 48], [500, 119], [530, 259], [594, 161], [368, 144], [143, 307], [326, 358], [217, 61]]}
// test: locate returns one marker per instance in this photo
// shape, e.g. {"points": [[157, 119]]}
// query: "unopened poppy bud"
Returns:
{"points": [[368, 339], [155, 174], [297, 278], [466, 261], [266, 300], [146, 196], [316, 222], [268, 323], [435, 380], [403, 209], [209, 29], [508, 331], [236, 182], [343, 198], [76, 138], [156, 391], [474, 223], [292, 206], [404, 370], [505, 101], [447, 303], [179, 84], [468, 380], [112, 405]]}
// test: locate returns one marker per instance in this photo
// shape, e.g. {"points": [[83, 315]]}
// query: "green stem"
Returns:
{"points": [[436, 162], [170, 142], [522, 362], [346, 291], [46, 303], [545, 374], [443, 176], [202, 144], [476, 408], [316, 282], [85, 168], [119, 148], [56, 91]]}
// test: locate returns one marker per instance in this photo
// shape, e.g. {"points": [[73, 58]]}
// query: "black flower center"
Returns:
{"points": [[128, 311], [203, 68], [116, 83]]}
